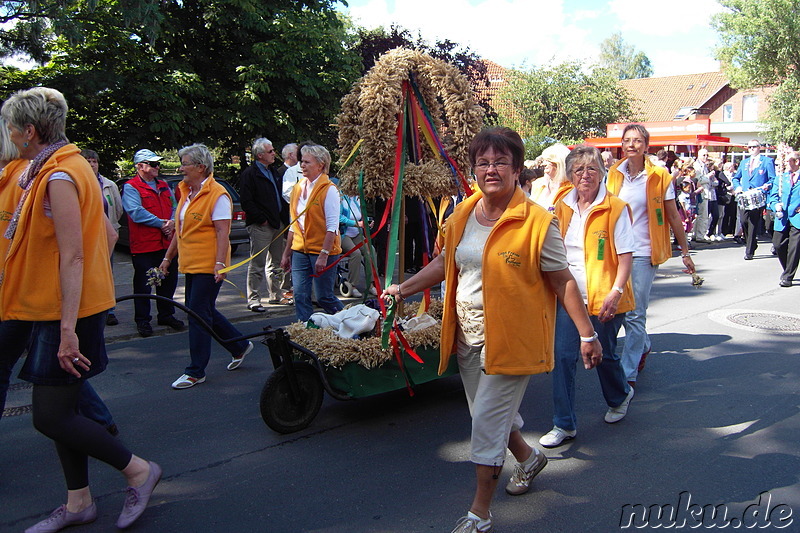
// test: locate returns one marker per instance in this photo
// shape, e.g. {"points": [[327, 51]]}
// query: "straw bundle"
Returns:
{"points": [[370, 112]]}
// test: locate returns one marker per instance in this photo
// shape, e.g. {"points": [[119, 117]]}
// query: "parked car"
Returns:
{"points": [[238, 233]]}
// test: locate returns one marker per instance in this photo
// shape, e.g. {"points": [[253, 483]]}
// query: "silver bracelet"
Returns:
{"points": [[400, 293], [324, 251]]}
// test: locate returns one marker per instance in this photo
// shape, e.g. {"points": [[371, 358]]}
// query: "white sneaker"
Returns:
{"points": [[523, 474], [615, 414], [236, 361], [186, 381], [372, 291], [556, 436], [355, 293], [473, 523]]}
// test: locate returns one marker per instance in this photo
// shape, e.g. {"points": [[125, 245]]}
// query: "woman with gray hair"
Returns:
{"points": [[202, 225], [313, 241], [596, 227], [58, 226]]}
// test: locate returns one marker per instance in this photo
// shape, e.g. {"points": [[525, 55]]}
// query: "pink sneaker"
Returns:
{"points": [[61, 518], [136, 498]]}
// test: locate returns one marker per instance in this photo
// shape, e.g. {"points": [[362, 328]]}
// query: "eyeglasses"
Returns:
{"points": [[270, 151], [499, 166], [592, 171], [154, 164], [753, 146]]}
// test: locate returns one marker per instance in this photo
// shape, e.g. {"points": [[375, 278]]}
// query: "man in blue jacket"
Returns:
{"points": [[784, 200], [756, 171]]}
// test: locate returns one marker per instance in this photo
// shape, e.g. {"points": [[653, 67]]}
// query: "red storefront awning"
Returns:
{"points": [[668, 140]]}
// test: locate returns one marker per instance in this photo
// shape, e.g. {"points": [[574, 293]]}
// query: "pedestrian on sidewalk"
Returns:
{"points": [[150, 205]]}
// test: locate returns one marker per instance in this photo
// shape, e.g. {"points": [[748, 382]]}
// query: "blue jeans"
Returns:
{"points": [[636, 340], [302, 269], [201, 297], [567, 353]]}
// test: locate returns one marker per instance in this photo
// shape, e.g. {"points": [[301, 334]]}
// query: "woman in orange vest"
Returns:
{"points": [[499, 243], [58, 252], [202, 244], [596, 227], [649, 192], [313, 241]]}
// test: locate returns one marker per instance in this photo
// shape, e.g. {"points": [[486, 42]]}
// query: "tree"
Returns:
{"points": [[760, 46], [218, 71], [760, 41], [563, 102], [623, 60]]}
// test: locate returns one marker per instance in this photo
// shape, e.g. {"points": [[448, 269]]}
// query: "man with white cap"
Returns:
{"points": [[150, 204]]}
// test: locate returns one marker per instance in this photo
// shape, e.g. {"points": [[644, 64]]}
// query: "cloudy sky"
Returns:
{"points": [[676, 35]]}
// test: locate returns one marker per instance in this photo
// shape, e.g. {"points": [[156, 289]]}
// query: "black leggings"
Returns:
{"points": [[55, 415]]}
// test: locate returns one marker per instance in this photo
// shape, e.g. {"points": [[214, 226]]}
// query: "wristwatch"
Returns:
{"points": [[618, 289], [590, 339]]}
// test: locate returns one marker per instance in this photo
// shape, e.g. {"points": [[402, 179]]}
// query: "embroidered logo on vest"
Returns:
{"points": [[512, 258]]}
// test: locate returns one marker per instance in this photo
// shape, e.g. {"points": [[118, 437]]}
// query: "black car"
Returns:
{"points": [[238, 233]]}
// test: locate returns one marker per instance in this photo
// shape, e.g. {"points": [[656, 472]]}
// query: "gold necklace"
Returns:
{"points": [[487, 218]]}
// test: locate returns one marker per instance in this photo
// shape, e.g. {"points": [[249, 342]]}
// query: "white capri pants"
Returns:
{"points": [[494, 402]]}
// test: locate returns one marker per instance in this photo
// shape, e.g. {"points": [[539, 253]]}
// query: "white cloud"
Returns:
{"points": [[671, 63], [677, 17], [509, 32]]}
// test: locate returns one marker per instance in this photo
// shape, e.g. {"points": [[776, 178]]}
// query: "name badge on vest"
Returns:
{"points": [[601, 248], [660, 217]]}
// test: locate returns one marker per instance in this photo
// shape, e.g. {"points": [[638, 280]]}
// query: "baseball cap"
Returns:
{"points": [[145, 155]]}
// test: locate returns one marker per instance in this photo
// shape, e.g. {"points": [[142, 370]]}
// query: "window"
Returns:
{"points": [[750, 108], [727, 113]]}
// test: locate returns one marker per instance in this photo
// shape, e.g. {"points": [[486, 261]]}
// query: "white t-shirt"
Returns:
{"points": [[331, 205], [223, 209], [55, 176], [574, 238], [469, 260], [290, 179], [634, 192]]}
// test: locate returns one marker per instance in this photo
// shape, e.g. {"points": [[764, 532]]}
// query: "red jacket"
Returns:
{"points": [[148, 238]]}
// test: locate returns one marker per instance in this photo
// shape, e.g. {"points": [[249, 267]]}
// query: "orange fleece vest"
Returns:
{"points": [[658, 180], [197, 238], [601, 269], [10, 193], [310, 241], [518, 304], [31, 290]]}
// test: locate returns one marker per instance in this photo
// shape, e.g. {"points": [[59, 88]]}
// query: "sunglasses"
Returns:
{"points": [[154, 164]]}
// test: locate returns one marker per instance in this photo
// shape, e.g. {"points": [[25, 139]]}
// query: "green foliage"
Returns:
{"points": [[760, 41], [623, 60], [783, 116], [563, 102], [221, 72]]}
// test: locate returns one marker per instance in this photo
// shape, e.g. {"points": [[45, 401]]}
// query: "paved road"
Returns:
{"points": [[715, 417]]}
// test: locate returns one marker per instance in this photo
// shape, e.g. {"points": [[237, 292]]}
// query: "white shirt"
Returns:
{"points": [[634, 192], [290, 178], [331, 205], [574, 238], [223, 209]]}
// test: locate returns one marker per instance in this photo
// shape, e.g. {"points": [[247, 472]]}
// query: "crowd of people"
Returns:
{"points": [[580, 246]]}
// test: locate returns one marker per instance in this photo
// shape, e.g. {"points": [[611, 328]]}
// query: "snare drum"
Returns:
{"points": [[752, 199]]}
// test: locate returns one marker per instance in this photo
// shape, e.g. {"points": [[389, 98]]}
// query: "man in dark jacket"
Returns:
{"points": [[267, 215], [150, 205]]}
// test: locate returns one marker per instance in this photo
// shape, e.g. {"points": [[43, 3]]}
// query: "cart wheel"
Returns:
{"points": [[279, 411], [345, 289]]}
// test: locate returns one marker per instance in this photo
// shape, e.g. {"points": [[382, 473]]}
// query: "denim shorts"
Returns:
{"points": [[41, 366]]}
